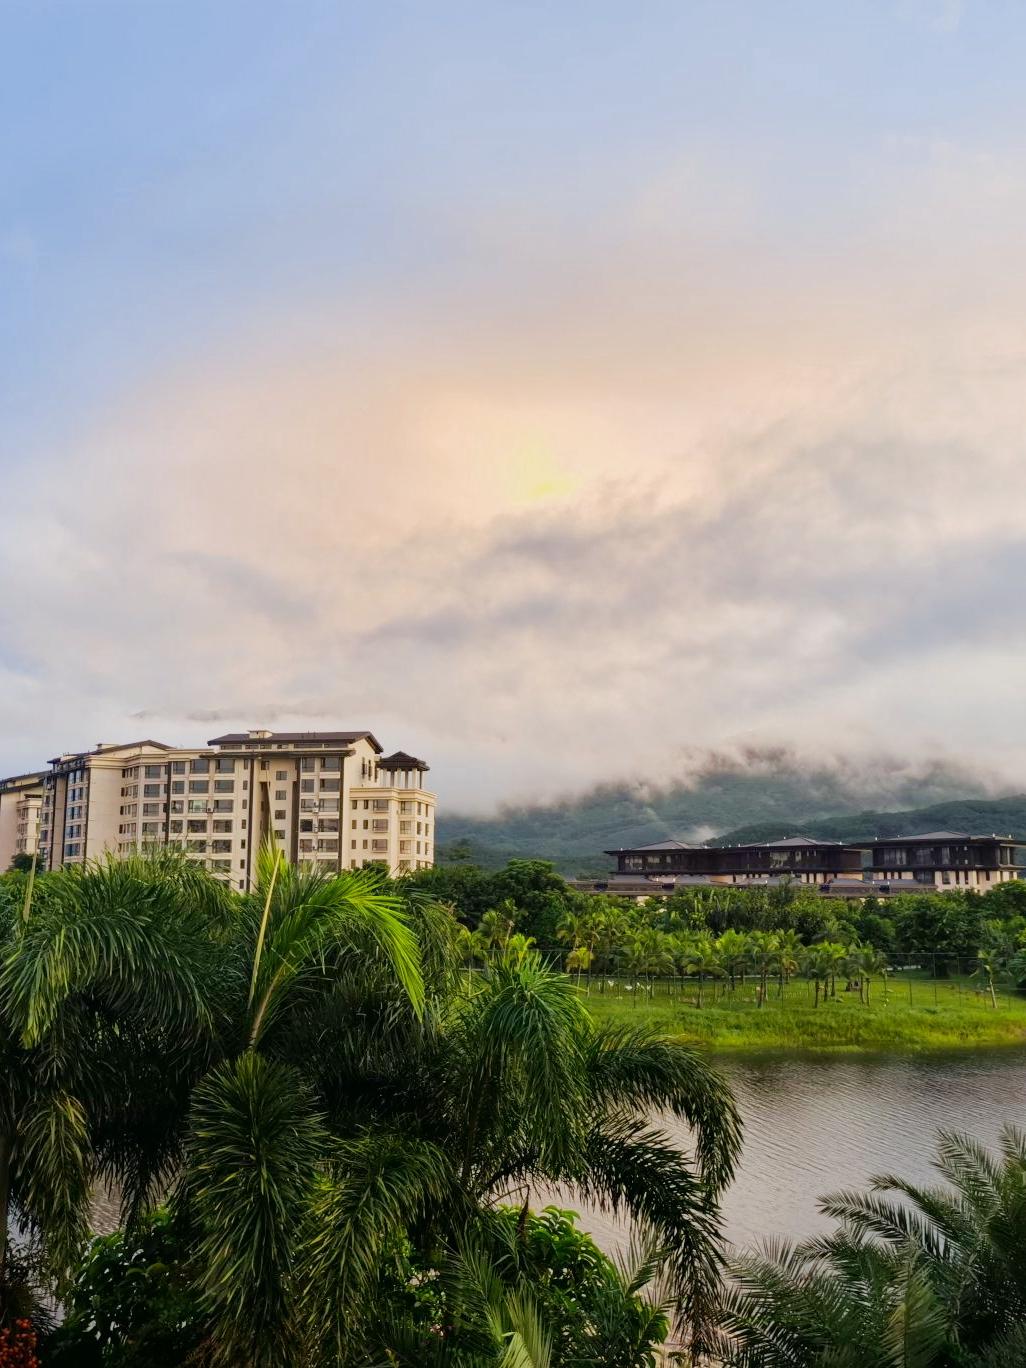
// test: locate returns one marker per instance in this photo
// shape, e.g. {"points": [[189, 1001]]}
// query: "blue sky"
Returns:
{"points": [[383, 364]]}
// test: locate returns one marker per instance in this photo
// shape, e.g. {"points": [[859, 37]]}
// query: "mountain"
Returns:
{"points": [[1001, 816], [760, 794]]}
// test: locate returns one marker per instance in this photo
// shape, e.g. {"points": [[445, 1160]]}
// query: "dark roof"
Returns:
{"points": [[32, 774], [931, 836], [656, 845], [106, 746], [794, 842], [342, 738], [401, 761]]}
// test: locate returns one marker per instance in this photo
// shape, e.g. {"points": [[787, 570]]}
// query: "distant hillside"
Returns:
{"points": [[978, 817], [767, 793]]}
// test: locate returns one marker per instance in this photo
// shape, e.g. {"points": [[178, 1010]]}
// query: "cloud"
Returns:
{"points": [[689, 485]]}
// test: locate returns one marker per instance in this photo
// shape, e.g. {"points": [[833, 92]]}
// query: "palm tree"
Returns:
{"points": [[869, 961], [577, 961], [105, 983], [495, 928], [764, 957], [732, 948], [914, 1277], [985, 970], [789, 953], [308, 1073], [816, 966], [698, 955]]}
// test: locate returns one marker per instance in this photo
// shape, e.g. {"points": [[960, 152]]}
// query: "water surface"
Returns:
{"points": [[814, 1124]]}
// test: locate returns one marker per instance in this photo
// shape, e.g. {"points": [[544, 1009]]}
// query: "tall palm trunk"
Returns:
{"points": [[5, 1197], [816, 1003], [699, 987]]}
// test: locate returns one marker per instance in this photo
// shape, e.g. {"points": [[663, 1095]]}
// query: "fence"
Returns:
{"points": [[917, 977]]}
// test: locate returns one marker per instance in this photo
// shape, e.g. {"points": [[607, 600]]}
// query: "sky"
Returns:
{"points": [[555, 390]]}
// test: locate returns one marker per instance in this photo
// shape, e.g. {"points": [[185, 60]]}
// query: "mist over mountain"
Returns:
{"points": [[754, 793]]}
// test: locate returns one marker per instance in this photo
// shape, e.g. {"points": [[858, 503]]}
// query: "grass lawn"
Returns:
{"points": [[914, 1015]]}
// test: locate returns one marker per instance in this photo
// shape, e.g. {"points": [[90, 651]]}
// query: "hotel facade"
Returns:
{"points": [[936, 861], [328, 798]]}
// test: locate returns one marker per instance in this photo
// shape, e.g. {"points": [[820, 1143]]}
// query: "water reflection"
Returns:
{"points": [[816, 1124]]}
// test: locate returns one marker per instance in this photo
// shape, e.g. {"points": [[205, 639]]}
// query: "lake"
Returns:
{"points": [[814, 1124]]}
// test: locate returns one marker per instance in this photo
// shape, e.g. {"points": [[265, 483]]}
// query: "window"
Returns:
{"points": [[280, 795], [197, 805], [332, 762], [307, 763], [153, 771], [196, 825], [306, 786], [178, 786], [178, 806], [379, 824], [224, 804], [200, 766], [177, 766], [379, 845], [221, 847], [329, 785], [175, 827], [221, 825], [405, 828], [281, 775], [306, 824], [353, 804], [149, 828], [196, 847], [279, 833], [224, 785], [151, 809], [380, 804], [279, 814], [199, 785], [224, 766], [151, 790]]}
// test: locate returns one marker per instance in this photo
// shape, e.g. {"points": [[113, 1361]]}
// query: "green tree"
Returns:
{"points": [[913, 1277], [332, 1103]]}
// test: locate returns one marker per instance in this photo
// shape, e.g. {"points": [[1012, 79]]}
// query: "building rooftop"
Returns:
{"points": [[934, 836], [311, 738], [401, 761]]}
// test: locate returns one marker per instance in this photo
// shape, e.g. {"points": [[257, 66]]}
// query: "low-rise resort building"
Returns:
{"points": [[875, 867]]}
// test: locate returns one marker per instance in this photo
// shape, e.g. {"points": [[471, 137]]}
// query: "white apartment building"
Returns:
{"points": [[21, 801], [330, 798]]}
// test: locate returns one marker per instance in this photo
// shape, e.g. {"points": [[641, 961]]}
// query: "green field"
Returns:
{"points": [[915, 1014]]}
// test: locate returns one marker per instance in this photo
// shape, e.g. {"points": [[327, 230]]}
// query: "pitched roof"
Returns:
{"points": [[794, 842], [401, 761], [931, 836], [656, 845], [342, 738]]}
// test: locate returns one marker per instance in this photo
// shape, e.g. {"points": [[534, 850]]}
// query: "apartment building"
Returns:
{"points": [[21, 801], [330, 798]]}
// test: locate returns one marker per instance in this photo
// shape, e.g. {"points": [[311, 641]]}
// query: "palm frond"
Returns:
{"points": [[255, 1145], [638, 1068]]}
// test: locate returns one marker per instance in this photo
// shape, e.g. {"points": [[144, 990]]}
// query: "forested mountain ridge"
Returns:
{"points": [[730, 802], [977, 817]]}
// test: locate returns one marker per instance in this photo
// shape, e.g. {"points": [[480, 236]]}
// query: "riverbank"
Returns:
{"points": [[913, 1016]]}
